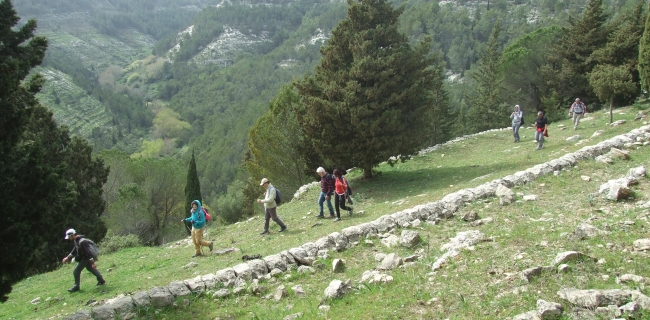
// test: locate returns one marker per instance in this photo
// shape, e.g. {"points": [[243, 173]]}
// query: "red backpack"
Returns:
{"points": [[207, 215]]}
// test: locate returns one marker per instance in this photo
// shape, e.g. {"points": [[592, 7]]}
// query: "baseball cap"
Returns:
{"points": [[264, 180], [70, 233], [320, 169]]}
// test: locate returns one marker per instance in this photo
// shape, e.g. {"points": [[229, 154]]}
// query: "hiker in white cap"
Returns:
{"points": [[578, 109], [270, 207], [83, 254]]}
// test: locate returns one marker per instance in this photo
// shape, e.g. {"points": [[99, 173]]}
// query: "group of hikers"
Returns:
{"points": [[331, 185], [576, 111]]}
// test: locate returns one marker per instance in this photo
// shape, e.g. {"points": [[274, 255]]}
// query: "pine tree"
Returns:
{"points": [[192, 187], [370, 97], [487, 100], [568, 66], [644, 56]]}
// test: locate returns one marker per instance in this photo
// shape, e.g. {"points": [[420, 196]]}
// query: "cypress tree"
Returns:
{"points": [[192, 187], [370, 98]]}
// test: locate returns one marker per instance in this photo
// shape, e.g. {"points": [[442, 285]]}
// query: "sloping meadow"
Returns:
{"points": [[482, 280]]}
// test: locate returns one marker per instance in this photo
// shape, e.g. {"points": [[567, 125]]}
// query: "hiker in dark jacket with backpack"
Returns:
{"points": [[83, 254], [270, 207], [198, 223], [578, 109]]}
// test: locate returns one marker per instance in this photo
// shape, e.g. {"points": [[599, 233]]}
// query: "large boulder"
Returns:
{"points": [[505, 194], [301, 256], [196, 284], [275, 261], [258, 268], [178, 289], [337, 289], [226, 276], [410, 238]]}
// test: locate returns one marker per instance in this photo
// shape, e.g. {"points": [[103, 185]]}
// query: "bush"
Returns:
{"points": [[114, 243]]}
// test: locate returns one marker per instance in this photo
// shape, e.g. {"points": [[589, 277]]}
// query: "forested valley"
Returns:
{"points": [[236, 87]]}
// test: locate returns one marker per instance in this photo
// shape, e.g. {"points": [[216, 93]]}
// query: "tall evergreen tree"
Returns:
{"points": [[192, 187], [370, 97], [568, 67], [621, 53], [486, 102], [644, 56]]}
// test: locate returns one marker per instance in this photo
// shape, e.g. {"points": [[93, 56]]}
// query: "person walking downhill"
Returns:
{"points": [[578, 109], [517, 117], [341, 188], [84, 258], [327, 188], [198, 223], [541, 127], [270, 207]]}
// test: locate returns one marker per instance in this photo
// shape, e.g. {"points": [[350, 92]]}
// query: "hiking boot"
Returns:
{"points": [[74, 288], [320, 216], [211, 246], [196, 255], [283, 229], [101, 283], [331, 216], [337, 219], [265, 232]]}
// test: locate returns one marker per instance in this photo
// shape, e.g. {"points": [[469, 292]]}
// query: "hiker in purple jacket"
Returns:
{"points": [[327, 188]]}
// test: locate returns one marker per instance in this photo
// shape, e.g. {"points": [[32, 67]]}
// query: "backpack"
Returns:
{"points": [[522, 121], [349, 190], [207, 215], [278, 197], [578, 108], [90, 248]]}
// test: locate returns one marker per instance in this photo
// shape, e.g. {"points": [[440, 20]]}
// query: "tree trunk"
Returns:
{"points": [[611, 107], [367, 172]]}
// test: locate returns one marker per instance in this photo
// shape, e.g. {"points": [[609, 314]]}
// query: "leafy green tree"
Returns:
{"points": [[277, 146], [608, 81], [370, 97], [192, 186], [486, 103]]}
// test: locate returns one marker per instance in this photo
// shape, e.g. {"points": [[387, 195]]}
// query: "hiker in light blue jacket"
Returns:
{"points": [[198, 223], [517, 116]]}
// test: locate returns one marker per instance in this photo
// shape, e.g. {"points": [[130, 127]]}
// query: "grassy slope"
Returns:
{"points": [[464, 288]]}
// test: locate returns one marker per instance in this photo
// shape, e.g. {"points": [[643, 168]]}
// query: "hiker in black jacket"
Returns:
{"points": [[84, 259]]}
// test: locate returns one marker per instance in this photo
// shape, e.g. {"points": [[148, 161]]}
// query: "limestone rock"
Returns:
{"points": [[390, 261], [630, 278], [618, 123], [549, 310], [80, 315], [506, 195], [280, 292], [616, 153], [390, 241], [299, 291], [470, 216], [586, 231], [530, 315], [221, 293], [196, 284], [641, 244], [161, 297], [594, 298], [567, 256], [178, 289], [637, 173], [258, 268], [530, 197], [302, 256], [336, 289], [410, 238], [293, 316], [306, 269], [574, 138]]}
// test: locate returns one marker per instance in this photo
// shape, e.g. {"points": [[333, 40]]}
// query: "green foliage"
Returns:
{"points": [[569, 61], [145, 197], [114, 243], [371, 92], [608, 81], [277, 146], [49, 181], [644, 56], [192, 186], [487, 103]]}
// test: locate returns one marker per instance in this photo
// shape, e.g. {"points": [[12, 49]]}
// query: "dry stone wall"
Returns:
{"points": [[239, 276]]}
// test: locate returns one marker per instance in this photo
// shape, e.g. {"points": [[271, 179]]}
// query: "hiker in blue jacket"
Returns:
{"points": [[84, 259], [198, 223]]}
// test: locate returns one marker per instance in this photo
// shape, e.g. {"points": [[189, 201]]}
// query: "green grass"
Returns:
{"points": [[477, 284]]}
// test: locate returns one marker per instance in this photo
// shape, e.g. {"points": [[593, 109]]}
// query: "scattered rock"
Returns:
{"points": [[563, 268], [224, 251], [594, 298], [616, 153], [567, 256], [470, 216], [293, 316], [530, 315], [337, 288], [390, 261], [36, 301], [463, 240], [338, 265], [574, 138], [530, 197], [641, 244], [481, 222], [299, 291], [636, 173], [221, 293], [410, 238], [630, 278], [585, 178], [190, 265], [617, 123], [530, 273], [390, 241], [280, 293], [549, 310], [586, 231]]}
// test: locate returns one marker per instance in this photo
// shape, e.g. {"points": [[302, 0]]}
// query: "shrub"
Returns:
{"points": [[114, 243]]}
